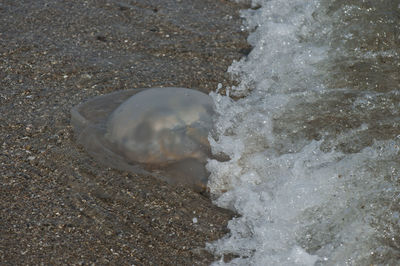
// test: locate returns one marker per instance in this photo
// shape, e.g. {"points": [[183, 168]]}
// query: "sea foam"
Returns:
{"points": [[313, 164]]}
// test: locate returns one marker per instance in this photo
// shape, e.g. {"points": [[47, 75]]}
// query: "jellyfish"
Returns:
{"points": [[158, 131]]}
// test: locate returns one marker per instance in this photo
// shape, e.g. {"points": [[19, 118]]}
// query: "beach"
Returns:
{"points": [[58, 205]]}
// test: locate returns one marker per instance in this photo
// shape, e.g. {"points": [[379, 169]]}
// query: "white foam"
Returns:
{"points": [[301, 201]]}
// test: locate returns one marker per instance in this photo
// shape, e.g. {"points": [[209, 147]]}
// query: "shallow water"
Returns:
{"points": [[314, 140]]}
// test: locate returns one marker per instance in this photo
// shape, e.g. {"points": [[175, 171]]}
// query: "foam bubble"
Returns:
{"points": [[313, 163]]}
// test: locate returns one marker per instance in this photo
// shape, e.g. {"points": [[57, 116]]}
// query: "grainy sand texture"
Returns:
{"points": [[58, 205]]}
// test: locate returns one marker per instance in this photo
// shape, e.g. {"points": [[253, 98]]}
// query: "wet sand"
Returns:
{"points": [[58, 205]]}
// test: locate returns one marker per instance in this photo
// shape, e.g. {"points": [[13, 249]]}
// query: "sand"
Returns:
{"points": [[58, 205]]}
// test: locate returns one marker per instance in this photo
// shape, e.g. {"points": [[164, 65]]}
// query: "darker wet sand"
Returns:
{"points": [[57, 205]]}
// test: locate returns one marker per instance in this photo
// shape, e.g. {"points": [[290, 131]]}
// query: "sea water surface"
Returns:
{"points": [[314, 139]]}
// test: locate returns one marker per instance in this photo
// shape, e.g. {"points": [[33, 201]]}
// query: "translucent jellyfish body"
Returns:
{"points": [[158, 131]]}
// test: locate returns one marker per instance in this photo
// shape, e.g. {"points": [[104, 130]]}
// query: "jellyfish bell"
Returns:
{"points": [[162, 125], [161, 131]]}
